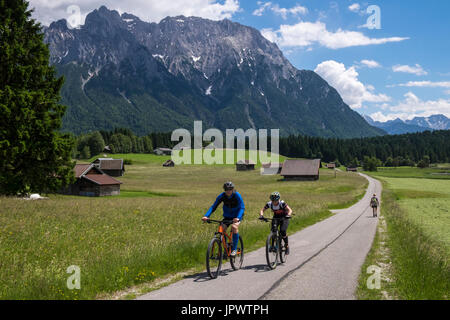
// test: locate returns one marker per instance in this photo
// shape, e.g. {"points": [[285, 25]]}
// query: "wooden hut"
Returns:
{"points": [[245, 165], [110, 166], [331, 165], [92, 182], [301, 169], [352, 169]]}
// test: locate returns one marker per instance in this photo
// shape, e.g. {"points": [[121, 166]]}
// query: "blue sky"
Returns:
{"points": [[401, 69]]}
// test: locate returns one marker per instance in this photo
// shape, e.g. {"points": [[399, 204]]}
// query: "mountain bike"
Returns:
{"points": [[220, 248], [274, 248]]}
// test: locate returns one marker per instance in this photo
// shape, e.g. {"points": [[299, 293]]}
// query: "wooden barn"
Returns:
{"points": [[92, 182], [331, 165], [110, 166], [245, 165], [271, 168], [301, 169], [352, 169]]}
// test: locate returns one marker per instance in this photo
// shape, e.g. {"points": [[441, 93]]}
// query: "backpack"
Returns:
{"points": [[374, 202]]}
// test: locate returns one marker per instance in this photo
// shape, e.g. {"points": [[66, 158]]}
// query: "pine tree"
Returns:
{"points": [[34, 156]]}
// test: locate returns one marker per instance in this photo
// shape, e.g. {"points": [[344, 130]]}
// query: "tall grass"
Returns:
{"points": [[123, 241], [415, 249]]}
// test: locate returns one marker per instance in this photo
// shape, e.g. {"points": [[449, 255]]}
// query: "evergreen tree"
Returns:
{"points": [[34, 156]]}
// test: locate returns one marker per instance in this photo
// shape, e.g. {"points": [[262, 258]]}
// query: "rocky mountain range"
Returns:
{"points": [[417, 124], [121, 71]]}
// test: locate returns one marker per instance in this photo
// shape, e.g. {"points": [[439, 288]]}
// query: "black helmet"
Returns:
{"points": [[228, 186], [275, 196]]}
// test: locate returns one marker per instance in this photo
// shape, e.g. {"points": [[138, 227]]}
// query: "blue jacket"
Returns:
{"points": [[233, 207]]}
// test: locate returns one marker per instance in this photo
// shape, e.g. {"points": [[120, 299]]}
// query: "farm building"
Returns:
{"points": [[352, 169], [110, 166], [169, 163], [271, 168], [244, 165], [301, 169], [331, 165], [92, 182], [163, 151]]}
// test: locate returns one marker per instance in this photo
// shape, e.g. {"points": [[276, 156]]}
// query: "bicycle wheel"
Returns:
{"points": [[282, 250], [236, 262], [214, 258], [272, 251]]}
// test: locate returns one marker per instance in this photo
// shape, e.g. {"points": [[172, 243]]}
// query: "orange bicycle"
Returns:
{"points": [[220, 247]]}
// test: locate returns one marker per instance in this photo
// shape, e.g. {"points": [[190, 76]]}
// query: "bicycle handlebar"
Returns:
{"points": [[217, 221]]}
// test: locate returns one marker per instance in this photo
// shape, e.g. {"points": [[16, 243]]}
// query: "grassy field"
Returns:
{"points": [[414, 249], [151, 231]]}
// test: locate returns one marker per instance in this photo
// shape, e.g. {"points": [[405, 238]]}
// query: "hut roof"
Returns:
{"points": [[101, 179], [94, 174], [300, 167]]}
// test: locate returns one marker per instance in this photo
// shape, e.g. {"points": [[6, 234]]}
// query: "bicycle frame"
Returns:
{"points": [[224, 236]]}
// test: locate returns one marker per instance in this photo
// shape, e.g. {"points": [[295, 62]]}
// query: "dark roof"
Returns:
{"points": [[300, 167], [109, 163], [80, 169], [94, 174], [102, 179]]}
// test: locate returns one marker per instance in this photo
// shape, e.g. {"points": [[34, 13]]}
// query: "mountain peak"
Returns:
{"points": [[59, 25]]}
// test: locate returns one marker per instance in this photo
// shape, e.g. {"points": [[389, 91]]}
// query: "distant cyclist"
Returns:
{"points": [[233, 209], [280, 209], [374, 203]]}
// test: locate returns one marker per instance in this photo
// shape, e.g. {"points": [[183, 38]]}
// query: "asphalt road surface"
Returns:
{"points": [[324, 263]]}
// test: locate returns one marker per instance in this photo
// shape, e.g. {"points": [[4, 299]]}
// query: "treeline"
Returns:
{"points": [[119, 140], [390, 150]]}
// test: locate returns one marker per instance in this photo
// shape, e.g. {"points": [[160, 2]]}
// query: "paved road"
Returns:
{"points": [[324, 263]]}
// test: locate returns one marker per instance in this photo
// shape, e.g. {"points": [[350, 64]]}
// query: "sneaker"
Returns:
{"points": [[287, 250], [233, 253]]}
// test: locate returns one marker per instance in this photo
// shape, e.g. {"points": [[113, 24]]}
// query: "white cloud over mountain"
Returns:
{"points": [[346, 82], [305, 34], [47, 11], [412, 106]]}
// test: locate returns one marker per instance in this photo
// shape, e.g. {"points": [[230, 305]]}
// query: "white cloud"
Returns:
{"points": [[424, 84], [370, 63], [275, 8], [346, 82], [47, 11], [262, 7], [307, 33], [354, 7], [412, 106], [417, 69]]}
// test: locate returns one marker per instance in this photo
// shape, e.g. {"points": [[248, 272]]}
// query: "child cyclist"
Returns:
{"points": [[280, 210]]}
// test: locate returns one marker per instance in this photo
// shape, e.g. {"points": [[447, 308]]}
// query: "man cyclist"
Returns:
{"points": [[374, 203], [280, 209], [233, 209]]}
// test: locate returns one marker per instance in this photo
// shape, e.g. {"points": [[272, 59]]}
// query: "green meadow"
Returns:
{"points": [[149, 232], [416, 206]]}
